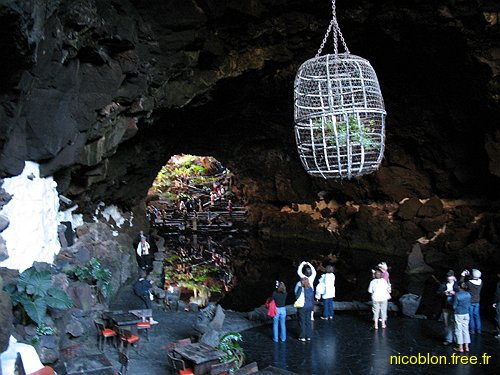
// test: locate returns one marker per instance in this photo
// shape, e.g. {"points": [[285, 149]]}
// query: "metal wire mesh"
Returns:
{"points": [[339, 116]]}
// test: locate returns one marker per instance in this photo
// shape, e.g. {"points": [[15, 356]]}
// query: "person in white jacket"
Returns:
{"points": [[308, 271], [143, 254], [381, 293], [326, 290]]}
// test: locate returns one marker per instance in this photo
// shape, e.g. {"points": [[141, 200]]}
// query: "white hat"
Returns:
{"points": [[383, 266], [476, 274]]}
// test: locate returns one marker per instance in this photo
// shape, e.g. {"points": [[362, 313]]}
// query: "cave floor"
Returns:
{"points": [[345, 345], [349, 344]]}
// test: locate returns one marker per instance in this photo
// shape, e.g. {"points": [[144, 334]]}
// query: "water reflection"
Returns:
{"points": [[247, 266], [381, 352], [279, 355]]}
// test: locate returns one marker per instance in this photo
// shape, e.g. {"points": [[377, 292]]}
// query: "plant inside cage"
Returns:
{"points": [[339, 113], [349, 132]]}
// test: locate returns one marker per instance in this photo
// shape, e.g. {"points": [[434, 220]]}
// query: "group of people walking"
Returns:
{"points": [[305, 294]]}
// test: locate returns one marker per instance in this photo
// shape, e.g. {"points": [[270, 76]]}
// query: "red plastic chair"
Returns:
{"points": [[128, 339], [144, 326], [103, 334]]}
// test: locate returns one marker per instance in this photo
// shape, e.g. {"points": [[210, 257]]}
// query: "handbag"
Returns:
{"points": [[300, 301], [267, 303], [272, 311]]}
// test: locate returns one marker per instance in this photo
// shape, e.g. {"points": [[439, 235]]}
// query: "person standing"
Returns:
{"points": [[140, 235], [143, 251], [308, 271], [279, 297], [496, 306], [474, 286], [326, 290], [380, 290], [384, 268], [447, 291], [304, 312], [461, 306]]}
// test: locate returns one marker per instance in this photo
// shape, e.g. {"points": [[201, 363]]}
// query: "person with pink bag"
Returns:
{"points": [[279, 297]]}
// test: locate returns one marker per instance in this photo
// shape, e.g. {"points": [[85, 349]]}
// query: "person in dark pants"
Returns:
{"points": [[474, 285], [143, 252], [304, 313], [142, 289], [496, 306], [447, 291]]}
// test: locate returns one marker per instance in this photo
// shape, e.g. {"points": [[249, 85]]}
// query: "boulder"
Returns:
{"points": [[409, 304], [4, 253], [48, 355], [4, 223], [409, 208], [204, 318], [218, 319], [5, 318], [432, 208], [81, 295], [416, 262], [211, 338], [75, 328]]}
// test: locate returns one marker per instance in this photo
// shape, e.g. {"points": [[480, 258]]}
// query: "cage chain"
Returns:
{"points": [[334, 25]]}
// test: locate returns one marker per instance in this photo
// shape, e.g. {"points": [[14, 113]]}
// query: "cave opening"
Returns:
{"points": [[192, 207]]}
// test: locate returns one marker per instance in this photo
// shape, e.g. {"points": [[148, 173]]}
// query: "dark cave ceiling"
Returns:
{"points": [[103, 92]]}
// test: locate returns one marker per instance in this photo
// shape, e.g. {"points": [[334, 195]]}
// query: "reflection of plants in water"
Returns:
{"points": [[350, 131], [201, 279]]}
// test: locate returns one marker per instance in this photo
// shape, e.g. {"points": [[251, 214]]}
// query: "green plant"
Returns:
{"points": [[349, 131], [229, 345], [42, 330], [95, 274], [215, 288], [34, 293]]}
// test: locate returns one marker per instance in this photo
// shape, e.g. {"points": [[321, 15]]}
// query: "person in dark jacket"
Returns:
{"points": [[305, 312], [279, 297], [461, 306], [496, 306], [447, 291], [474, 286], [142, 288]]}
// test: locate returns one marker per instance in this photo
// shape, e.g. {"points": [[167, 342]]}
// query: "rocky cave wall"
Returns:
{"points": [[103, 92]]}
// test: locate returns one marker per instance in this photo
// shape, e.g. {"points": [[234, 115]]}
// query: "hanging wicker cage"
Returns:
{"points": [[339, 114]]}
